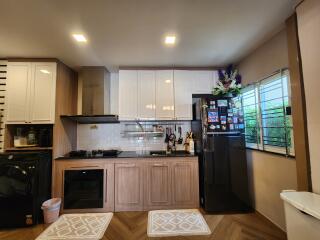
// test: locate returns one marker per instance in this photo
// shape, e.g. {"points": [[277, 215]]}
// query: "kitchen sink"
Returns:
{"points": [[158, 153], [164, 153]]}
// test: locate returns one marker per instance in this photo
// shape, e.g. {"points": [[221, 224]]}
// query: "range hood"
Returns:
{"points": [[93, 97], [92, 119]]}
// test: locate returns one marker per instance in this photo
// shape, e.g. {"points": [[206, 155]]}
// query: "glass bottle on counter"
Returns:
{"points": [[31, 137]]}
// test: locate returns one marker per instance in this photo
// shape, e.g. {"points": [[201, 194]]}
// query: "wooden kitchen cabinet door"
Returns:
{"points": [[185, 184], [157, 190], [129, 186]]}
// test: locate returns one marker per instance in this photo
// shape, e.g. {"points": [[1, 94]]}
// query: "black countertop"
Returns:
{"points": [[132, 154]]}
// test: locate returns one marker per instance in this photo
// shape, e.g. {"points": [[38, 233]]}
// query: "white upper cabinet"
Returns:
{"points": [[146, 95], [183, 83], [18, 88], [43, 91], [128, 94], [203, 81], [31, 90], [161, 94], [164, 95]]}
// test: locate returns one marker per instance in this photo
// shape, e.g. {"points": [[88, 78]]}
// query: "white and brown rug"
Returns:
{"points": [[186, 222], [85, 226]]}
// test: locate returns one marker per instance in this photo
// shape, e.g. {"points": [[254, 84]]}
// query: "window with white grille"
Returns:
{"points": [[267, 114]]}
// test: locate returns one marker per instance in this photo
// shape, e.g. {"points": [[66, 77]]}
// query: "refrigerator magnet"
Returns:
{"points": [[235, 119]]}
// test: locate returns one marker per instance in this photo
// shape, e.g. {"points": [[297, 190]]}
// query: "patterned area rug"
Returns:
{"points": [[186, 222], [86, 226]]}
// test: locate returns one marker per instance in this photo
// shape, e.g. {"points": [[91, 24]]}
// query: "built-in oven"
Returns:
{"points": [[83, 189]]}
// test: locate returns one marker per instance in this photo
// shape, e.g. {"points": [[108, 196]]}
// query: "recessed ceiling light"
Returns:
{"points": [[79, 37], [170, 40], [44, 71], [167, 81]]}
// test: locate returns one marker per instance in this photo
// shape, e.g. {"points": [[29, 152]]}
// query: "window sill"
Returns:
{"points": [[273, 153]]}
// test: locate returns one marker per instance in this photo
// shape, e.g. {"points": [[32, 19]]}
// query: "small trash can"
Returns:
{"points": [[51, 209]]}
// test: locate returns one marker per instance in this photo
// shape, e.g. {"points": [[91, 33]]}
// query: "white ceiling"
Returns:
{"points": [[130, 32]]}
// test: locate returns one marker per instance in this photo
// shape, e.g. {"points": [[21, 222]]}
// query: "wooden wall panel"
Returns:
{"points": [[299, 116], [64, 131]]}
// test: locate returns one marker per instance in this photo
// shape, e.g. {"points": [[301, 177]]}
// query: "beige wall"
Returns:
{"points": [[309, 36], [269, 174], [268, 58]]}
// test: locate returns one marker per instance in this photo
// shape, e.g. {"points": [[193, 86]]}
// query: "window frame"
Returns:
{"points": [[287, 150]]}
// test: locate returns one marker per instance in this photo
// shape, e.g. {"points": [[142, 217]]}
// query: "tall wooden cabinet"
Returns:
{"points": [[31, 90]]}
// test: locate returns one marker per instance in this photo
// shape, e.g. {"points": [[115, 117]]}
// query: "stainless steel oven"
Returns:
{"points": [[83, 189]]}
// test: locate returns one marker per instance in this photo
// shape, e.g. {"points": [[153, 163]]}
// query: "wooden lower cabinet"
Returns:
{"points": [[171, 183], [185, 184], [138, 184], [129, 186], [157, 185], [85, 164]]}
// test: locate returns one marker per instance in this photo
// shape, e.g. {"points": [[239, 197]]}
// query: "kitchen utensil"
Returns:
{"points": [[167, 136], [180, 140]]}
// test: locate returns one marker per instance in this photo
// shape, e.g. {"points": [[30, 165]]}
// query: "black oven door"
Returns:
{"points": [[83, 189]]}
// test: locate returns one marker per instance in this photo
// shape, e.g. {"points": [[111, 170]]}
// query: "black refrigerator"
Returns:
{"points": [[218, 127]]}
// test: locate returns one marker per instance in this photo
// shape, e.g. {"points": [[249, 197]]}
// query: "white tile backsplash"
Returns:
{"points": [[110, 136]]}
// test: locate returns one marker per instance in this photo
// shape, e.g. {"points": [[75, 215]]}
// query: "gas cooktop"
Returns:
{"points": [[94, 153]]}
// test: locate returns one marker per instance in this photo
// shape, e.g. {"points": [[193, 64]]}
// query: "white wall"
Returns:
{"points": [[309, 36], [111, 136], [269, 174]]}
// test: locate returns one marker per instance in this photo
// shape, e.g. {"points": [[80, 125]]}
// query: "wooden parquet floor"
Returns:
{"points": [[133, 226]]}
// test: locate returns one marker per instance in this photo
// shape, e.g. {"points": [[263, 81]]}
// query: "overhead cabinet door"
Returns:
{"points": [[203, 81], [128, 94], [43, 90], [164, 95], [18, 92], [146, 95], [183, 83]]}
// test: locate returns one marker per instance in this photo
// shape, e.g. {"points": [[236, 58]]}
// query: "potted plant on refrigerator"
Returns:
{"points": [[229, 82]]}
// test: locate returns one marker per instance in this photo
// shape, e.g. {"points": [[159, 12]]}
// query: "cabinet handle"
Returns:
{"points": [[86, 167], [158, 164]]}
